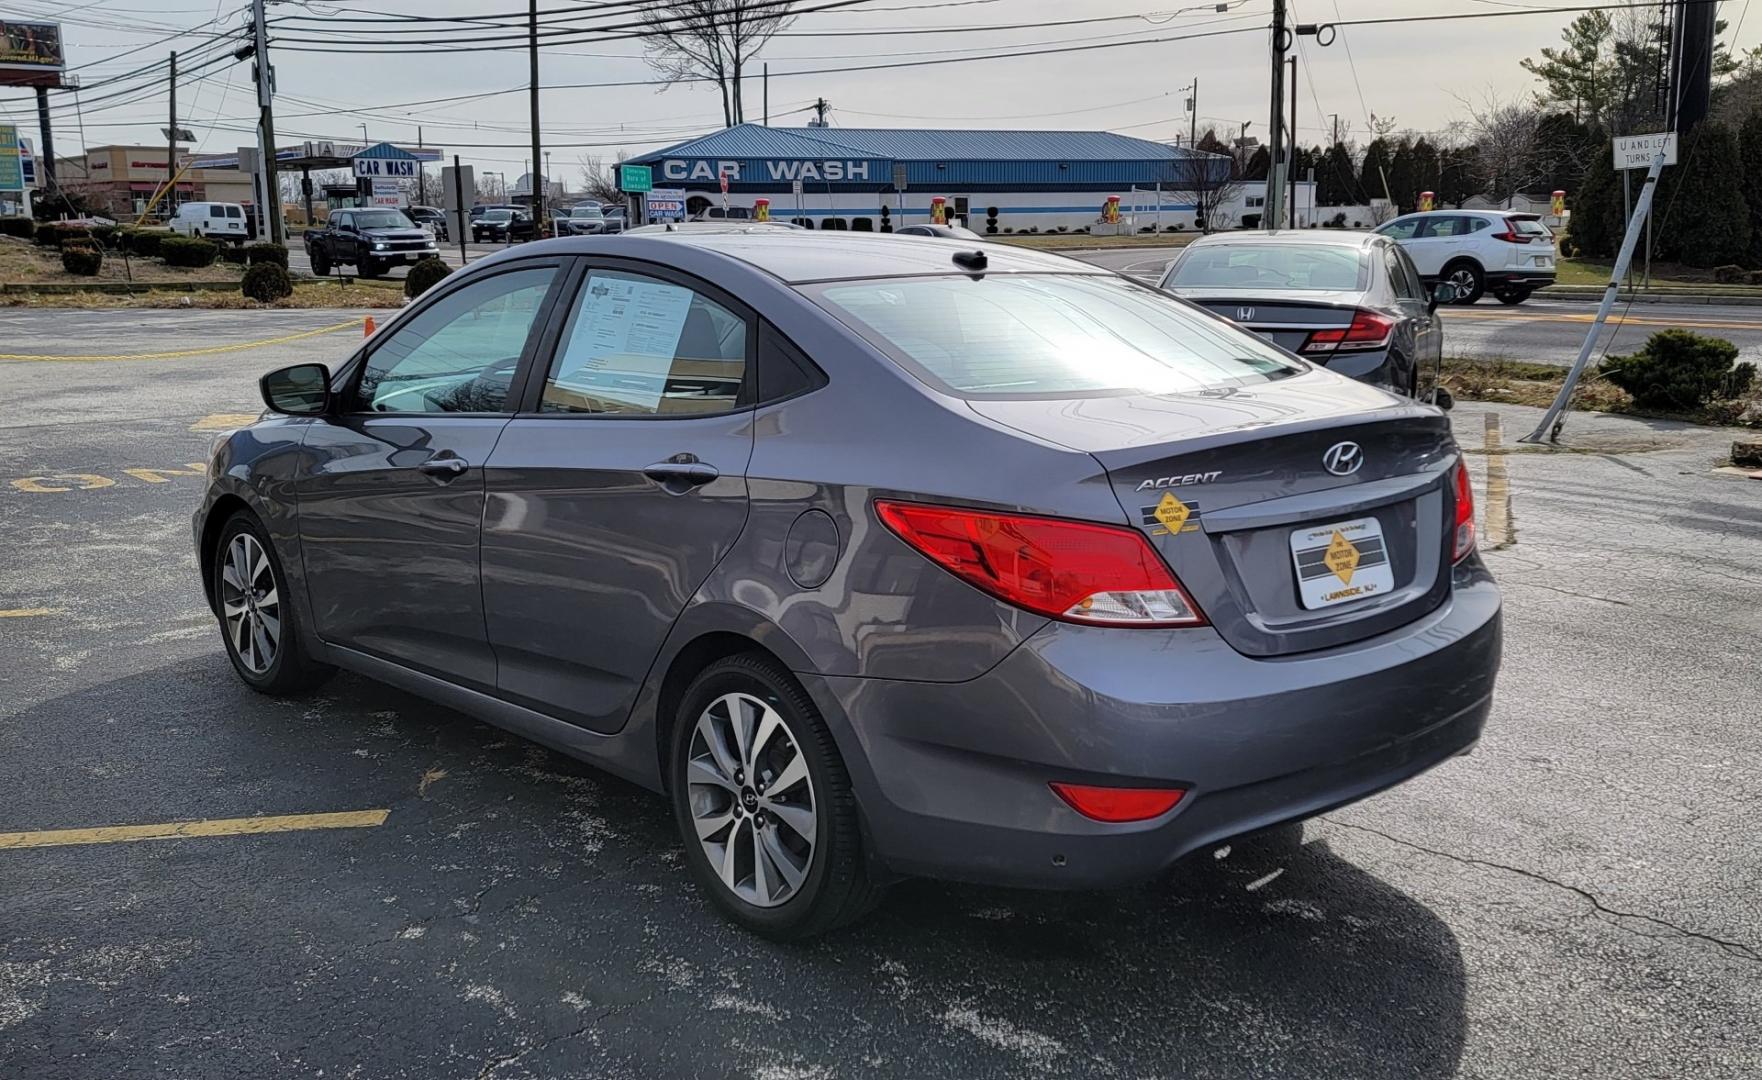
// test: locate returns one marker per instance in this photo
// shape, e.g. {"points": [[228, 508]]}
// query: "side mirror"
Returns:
{"points": [[300, 390], [1443, 293]]}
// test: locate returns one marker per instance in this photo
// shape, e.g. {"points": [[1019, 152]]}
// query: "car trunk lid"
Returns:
{"points": [[1234, 490], [1284, 317]]}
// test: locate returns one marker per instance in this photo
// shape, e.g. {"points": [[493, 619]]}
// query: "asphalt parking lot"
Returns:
{"points": [[388, 889]]}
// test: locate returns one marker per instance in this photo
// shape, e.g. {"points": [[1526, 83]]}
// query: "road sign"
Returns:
{"points": [[1637, 151], [635, 178], [898, 177], [11, 165], [180, 135], [795, 186]]}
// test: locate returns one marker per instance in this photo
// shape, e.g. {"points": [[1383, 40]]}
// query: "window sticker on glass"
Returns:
{"points": [[628, 330]]}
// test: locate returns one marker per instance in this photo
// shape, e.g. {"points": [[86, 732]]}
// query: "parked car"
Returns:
{"points": [[992, 565], [431, 218], [1503, 252], [946, 232], [1350, 301], [373, 240], [586, 219], [616, 219], [220, 222], [723, 213], [503, 225]]}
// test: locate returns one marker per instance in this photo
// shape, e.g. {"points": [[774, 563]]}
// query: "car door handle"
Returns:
{"points": [[446, 467], [681, 474]]}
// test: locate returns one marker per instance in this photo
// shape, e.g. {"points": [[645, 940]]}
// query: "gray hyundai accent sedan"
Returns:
{"points": [[879, 556]]}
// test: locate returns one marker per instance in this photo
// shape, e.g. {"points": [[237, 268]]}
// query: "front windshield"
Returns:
{"points": [[1042, 335], [1271, 266], [381, 219], [586, 211], [499, 215]]}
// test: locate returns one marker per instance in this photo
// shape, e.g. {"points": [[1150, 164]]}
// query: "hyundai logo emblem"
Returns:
{"points": [[1244, 314], [1343, 459]]}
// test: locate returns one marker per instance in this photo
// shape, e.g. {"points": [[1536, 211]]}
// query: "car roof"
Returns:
{"points": [[1341, 238], [803, 255]]}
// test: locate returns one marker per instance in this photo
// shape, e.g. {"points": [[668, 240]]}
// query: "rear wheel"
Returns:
{"points": [[1515, 295], [1466, 280], [764, 803], [257, 618]]}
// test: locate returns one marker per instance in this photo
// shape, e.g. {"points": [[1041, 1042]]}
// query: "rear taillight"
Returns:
{"points": [[1511, 235], [1463, 535], [1070, 570], [1368, 330], [1113, 804]]}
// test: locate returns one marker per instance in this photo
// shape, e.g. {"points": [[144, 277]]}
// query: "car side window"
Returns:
{"points": [[1439, 227], [640, 346], [1400, 230], [1403, 286], [340, 221], [460, 353], [234, 212], [1416, 284], [1475, 224]]}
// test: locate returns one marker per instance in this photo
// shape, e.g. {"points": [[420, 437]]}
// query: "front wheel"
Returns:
{"points": [[1515, 296], [764, 803], [257, 618], [320, 262], [369, 268]]}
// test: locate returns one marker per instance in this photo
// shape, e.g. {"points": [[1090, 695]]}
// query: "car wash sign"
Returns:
{"points": [[775, 171], [385, 162]]}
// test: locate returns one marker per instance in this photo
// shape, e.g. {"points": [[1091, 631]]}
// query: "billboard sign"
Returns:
{"points": [[31, 53], [11, 163], [666, 204]]}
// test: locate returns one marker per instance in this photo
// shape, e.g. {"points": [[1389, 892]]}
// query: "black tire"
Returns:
{"points": [[1444, 399], [292, 670], [369, 268], [1515, 296], [320, 262], [1469, 281], [836, 889]]}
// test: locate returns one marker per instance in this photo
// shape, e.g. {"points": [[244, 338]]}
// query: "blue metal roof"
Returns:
{"points": [[761, 158], [911, 144]]}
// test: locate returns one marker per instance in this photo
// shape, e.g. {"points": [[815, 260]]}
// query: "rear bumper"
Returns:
{"points": [[1528, 278], [952, 777]]}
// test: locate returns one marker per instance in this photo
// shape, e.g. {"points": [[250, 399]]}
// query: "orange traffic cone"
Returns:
{"points": [[369, 327]]}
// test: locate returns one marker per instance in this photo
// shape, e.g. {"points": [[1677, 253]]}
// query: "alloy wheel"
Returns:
{"points": [[751, 799], [1463, 282], [250, 604]]}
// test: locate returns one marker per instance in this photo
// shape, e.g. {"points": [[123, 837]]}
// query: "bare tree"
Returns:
{"points": [[1208, 181], [1508, 145], [599, 179], [711, 39]]}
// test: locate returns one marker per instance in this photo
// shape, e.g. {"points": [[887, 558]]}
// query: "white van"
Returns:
{"points": [[218, 221]]}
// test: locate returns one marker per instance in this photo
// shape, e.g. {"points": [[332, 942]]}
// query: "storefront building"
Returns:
{"points": [[876, 179], [119, 181]]}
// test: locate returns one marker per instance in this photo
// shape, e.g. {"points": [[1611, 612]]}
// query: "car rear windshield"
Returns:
{"points": [[1053, 335], [1271, 266], [1528, 226], [586, 211], [381, 219]]}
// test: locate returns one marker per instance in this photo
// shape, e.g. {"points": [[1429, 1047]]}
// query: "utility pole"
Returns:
{"points": [[1336, 129], [1291, 158], [538, 222], [1193, 121], [421, 172], [269, 214], [820, 107], [767, 82], [1275, 181], [1691, 67], [171, 144], [47, 161]]}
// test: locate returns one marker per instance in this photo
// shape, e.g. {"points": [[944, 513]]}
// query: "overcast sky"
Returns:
{"points": [[1415, 72]]}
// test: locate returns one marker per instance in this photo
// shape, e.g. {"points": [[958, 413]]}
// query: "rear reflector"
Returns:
{"points": [[1463, 541], [1071, 570], [1368, 330], [1113, 804]]}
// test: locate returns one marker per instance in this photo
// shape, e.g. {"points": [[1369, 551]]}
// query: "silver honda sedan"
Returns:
{"points": [[877, 556]]}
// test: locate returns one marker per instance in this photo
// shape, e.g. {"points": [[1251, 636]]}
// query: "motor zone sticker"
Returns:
{"points": [[1341, 562]]}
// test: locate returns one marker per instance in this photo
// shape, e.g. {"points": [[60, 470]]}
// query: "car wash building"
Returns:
{"points": [[876, 179]]}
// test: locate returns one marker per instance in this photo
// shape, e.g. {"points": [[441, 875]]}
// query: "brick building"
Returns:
{"points": [[118, 181]]}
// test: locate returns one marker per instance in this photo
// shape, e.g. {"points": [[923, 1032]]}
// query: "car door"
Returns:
{"points": [[342, 240], [391, 488], [618, 488], [1437, 240], [1422, 330]]}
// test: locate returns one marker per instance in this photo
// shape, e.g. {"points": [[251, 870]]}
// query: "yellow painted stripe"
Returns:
{"points": [[1497, 524], [179, 830], [1614, 320], [22, 358], [224, 421], [27, 612]]}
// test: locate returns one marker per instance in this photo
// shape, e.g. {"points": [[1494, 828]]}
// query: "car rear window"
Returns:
{"points": [[1270, 266], [1528, 226], [1052, 335]]}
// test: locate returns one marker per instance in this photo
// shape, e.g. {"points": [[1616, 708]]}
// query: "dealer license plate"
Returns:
{"points": [[1340, 563]]}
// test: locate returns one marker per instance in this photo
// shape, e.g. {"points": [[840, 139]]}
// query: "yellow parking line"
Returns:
{"points": [[1497, 523], [22, 358], [27, 612], [178, 830], [224, 421]]}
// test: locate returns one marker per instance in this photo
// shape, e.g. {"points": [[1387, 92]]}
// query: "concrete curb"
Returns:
{"points": [[124, 288]]}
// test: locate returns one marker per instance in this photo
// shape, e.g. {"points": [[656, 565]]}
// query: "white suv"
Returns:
{"points": [[1478, 251]]}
